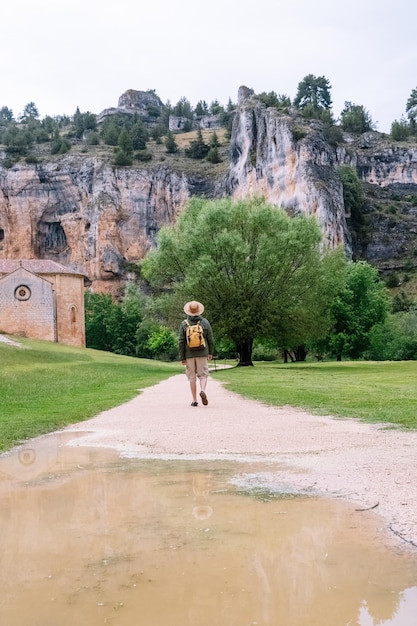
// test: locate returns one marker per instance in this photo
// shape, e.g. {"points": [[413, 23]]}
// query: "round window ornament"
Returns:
{"points": [[22, 292]]}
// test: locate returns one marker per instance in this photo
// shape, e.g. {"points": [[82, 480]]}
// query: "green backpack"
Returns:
{"points": [[195, 336]]}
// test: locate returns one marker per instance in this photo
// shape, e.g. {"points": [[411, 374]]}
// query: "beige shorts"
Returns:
{"points": [[196, 367]]}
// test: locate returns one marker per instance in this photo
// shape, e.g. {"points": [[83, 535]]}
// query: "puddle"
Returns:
{"points": [[89, 539]]}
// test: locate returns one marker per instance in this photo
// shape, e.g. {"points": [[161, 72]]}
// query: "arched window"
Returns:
{"points": [[73, 314]]}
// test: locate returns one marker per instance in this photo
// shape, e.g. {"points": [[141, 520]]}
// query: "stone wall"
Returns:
{"points": [[48, 307], [27, 306]]}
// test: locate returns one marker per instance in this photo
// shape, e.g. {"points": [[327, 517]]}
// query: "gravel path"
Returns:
{"points": [[369, 465]]}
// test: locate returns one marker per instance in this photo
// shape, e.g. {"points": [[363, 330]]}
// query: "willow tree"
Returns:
{"points": [[259, 272]]}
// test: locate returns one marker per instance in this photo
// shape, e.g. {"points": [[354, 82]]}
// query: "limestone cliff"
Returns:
{"points": [[99, 219], [291, 164], [86, 214], [292, 167]]}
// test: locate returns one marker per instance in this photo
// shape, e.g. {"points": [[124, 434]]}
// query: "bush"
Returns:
{"points": [[121, 158], [264, 351], [198, 149], [60, 145], [396, 339], [31, 159], [225, 349], [143, 155], [298, 133], [93, 139], [170, 143], [163, 344], [213, 155], [333, 135], [400, 131], [392, 280]]}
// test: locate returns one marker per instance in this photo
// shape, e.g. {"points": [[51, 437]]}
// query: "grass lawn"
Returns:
{"points": [[372, 391], [45, 386]]}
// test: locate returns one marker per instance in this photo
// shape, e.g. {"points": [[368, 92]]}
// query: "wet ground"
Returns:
{"points": [[89, 538]]}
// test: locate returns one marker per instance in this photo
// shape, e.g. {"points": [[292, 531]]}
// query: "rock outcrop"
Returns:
{"points": [[147, 105], [289, 165], [100, 219], [87, 215]]}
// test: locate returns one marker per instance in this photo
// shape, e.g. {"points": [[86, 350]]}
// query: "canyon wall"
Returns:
{"points": [[93, 217], [100, 219]]}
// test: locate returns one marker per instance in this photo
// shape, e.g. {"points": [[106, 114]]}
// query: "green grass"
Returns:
{"points": [[371, 391], [46, 386]]}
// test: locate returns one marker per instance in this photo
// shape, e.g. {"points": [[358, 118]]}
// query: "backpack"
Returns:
{"points": [[195, 336]]}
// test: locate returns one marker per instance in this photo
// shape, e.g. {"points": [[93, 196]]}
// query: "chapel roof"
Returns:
{"points": [[37, 266]]}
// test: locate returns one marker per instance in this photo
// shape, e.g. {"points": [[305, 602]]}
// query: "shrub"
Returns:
{"points": [[400, 131], [298, 133], [143, 155], [213, 155], [392, 280], [60, 145], [163, 344], [264, 351], [198, 149], [121, 158], [170, 143], [93, 139]]}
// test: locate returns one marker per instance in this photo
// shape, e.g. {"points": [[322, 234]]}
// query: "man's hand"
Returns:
{"points": [[210, 357], [184, 362]]}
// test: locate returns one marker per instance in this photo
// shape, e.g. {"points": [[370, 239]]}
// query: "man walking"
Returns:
{"points": [[196, 358]]}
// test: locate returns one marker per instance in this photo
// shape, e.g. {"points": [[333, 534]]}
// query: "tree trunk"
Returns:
{"points": [[245, 352], [300, 353]]}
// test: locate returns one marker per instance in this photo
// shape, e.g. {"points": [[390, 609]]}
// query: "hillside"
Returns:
{"points": [[80, 208]]}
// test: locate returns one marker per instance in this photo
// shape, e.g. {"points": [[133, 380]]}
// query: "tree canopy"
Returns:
{"points": [[356, 119], [361, 303], [260, 273], [411, 107], [313, 91]]}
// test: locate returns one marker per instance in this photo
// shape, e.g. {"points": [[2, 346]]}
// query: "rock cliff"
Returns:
{"points": [[292, 167], [86, 214], [99, 219]]}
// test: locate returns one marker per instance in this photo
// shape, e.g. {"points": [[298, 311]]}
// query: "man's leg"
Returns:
{"points": [[193, 387], [202, 373], [191, 372]]}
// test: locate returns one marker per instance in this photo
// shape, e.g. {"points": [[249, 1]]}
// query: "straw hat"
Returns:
{"points": [[193, 308]]}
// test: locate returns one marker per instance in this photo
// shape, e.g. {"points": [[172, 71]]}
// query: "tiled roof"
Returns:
{"points": [[36, 266]]}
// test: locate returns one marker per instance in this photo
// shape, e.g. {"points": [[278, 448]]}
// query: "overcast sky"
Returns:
{"points": [[61, 54]]}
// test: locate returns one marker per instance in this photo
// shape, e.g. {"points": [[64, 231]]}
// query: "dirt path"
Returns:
{"points": [[366, 464]]}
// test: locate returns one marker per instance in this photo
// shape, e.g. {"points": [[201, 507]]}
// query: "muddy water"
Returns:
{"points": [[89, 539]]}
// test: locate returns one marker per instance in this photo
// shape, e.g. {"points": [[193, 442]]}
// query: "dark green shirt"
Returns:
{"points": [[185, 352]]}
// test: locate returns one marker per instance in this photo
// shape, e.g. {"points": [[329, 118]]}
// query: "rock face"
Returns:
{"points": [[146, 104], [98, 219], [92, 217], [290, 167]]}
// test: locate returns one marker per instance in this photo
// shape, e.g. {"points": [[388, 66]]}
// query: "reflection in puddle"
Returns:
{"points": [[89, 539]]}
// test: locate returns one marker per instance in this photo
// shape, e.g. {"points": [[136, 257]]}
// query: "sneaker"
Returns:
{"points": [[203, 398], [194, 403]]}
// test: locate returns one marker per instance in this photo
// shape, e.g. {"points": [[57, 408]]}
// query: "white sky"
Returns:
{"points": [[61, 54]]}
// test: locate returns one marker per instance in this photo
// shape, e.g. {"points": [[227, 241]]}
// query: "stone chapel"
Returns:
{"points": [[42, 299]]}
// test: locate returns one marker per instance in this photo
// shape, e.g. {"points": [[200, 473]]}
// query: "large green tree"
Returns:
{"points": [[314, 92], [411, 108], [361, 303], [259, 272], [356, 119]]}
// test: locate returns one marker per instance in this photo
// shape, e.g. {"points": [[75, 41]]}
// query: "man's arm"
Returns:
{"points": [[181, 343]]}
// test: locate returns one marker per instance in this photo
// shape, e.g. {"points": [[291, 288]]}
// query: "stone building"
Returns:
{"points": [[43, 300]]}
